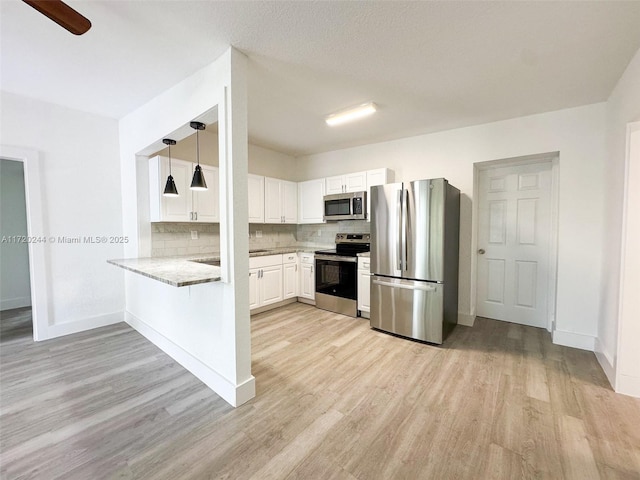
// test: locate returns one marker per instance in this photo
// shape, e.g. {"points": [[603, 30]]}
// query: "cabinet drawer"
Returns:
{"points": [[266, 261], [364, 263], [289, 258], [307, 258]]}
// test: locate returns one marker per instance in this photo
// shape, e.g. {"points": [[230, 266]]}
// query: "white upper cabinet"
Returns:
{"points": [[255, 185], [351, 182], [188, 206], [379, 176], [310, 201], [206, 204], [289, 201], [272, 210], [280, 201]]}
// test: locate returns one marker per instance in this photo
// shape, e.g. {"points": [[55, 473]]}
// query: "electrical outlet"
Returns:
{"points": [[319, 233], [258, 233], [194, 234]]}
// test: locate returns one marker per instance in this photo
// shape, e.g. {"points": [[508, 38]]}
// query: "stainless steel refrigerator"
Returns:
{"points": [[414, 258]]}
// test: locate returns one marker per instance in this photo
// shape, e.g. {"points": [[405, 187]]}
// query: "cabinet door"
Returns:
{"points": [[355, 182], [175, 209], [206, 204], [290, 280], [334, 184], [289, 201], [364, 293], [255, 185], [310, 201], [272, 200], [271, 285], [307, 281], [379, 176], [254, 293]]}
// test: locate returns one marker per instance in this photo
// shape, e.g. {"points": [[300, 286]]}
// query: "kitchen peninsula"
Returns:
{"points": [[187, 270]]}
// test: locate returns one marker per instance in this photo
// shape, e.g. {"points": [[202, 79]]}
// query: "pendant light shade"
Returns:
{"points": [[170, 189], [198, 182]]}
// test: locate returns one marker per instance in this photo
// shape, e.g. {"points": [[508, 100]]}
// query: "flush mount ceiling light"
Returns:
{"points": [[170, 189], [198, 182], [351, 114]]}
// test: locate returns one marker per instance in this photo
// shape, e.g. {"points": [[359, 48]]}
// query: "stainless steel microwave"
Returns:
{"points": [[345, 206]]}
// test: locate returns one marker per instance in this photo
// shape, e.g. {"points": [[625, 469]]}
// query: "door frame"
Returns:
{"points": [[35, 228], [549, 157]]}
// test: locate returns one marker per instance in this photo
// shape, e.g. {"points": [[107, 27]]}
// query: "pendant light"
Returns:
{"points": [[198, 182], [170, 189]]}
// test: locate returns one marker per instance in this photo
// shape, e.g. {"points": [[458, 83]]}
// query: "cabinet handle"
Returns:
{"points": [[190, 215], [195, 214]]}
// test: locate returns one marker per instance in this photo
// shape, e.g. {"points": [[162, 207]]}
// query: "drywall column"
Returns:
{"points": [[204, 327], [234, 243], [628, 368]]}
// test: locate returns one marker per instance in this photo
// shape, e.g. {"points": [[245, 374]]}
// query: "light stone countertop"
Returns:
{"points": [[184, 270]]}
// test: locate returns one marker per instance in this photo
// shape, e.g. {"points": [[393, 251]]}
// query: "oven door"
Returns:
{"points": [[336, 283]]}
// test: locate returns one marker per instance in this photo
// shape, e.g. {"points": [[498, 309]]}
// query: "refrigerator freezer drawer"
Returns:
{"points": [[409, 308]]}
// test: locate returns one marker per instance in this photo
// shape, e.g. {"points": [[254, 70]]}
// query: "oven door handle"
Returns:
{"points": [[337, 258]]}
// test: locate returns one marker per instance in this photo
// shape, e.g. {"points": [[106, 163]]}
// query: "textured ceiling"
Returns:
{"points": [[429, 66]]}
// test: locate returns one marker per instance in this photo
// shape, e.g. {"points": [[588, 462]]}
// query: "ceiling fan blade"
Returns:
{"points": [[62, 14]]}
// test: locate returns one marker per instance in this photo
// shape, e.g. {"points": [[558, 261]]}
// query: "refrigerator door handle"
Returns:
{"points": [[405, 250], [400, 229], [425, 288]]}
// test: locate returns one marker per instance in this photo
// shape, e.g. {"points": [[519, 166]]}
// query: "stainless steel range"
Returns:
{"points": [[337, 274]]}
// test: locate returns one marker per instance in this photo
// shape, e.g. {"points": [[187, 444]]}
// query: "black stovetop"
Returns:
{"points": [[349, 245]]}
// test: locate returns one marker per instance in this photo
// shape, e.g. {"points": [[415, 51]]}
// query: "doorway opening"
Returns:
{"points": [[37, 257], [515, 239], [15, 285]]}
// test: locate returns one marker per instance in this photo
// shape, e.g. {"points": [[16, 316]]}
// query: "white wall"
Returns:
{"points": [[263, 161], [15, 290], [623, 106], [578, 134], [206, 328], [80, 182]]}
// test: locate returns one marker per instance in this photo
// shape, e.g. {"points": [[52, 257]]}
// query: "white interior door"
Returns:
{"points": [[514, 242]]}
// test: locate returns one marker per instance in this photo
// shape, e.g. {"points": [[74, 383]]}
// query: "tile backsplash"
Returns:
{"points": [[325, 233], [168, 239]]}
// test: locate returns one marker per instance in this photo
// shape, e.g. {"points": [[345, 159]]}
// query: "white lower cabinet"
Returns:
{"points": [[290, 275], [271, 285], [265, 280], [364, 286], [275, 278], [307, 277]]}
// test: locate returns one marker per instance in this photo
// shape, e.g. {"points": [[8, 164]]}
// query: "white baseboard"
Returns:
{"points": [[575, 340], [466, 319], [606, 363], [628, 385], [60, 329], [233, 394], [11, 303]]}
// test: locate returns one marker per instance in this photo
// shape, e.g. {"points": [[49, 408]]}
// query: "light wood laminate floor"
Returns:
{"points": [[335, 400]]}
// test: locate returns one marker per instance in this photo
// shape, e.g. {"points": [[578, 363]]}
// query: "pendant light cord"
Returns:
{"points": [[198, 146], [169, 159]]}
